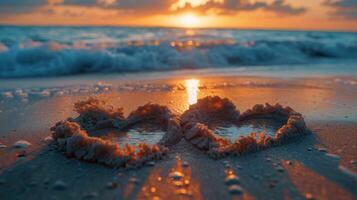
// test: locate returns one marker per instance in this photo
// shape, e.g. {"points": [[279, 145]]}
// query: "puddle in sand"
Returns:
{"points": [[233, 131], [148, 134]]}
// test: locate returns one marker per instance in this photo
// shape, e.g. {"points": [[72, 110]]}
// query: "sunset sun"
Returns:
{"points": [[189, 20]]}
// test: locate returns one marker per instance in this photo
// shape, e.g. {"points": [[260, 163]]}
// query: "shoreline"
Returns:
{"points": [[321, 69]]}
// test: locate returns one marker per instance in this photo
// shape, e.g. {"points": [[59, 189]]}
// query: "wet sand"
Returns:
{"points": [[320, 166]]}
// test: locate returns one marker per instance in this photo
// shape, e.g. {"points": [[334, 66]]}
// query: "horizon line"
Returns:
{"points": [[180, 27]]}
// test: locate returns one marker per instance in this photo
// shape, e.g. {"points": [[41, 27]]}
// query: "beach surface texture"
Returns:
{"points": [[179, 135]]}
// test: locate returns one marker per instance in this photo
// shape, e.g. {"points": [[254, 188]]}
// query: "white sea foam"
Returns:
{"points": [[43, 52]]}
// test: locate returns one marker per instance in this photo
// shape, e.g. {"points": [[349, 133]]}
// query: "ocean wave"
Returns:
{"points": [[35, 58]]}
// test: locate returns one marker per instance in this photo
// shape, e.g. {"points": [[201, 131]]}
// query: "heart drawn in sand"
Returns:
{"points": [[196, 119], [71, 135]]}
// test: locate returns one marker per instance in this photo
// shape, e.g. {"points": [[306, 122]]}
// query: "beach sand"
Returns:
{"points": [[322, 165]]}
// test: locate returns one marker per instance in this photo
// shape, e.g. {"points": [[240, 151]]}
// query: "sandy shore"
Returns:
{"points": [[320, 166]]}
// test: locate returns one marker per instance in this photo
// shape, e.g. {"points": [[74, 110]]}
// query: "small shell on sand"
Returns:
{"points": [[133, 180], [59, 185], [21, 144], [235, 189], [322, 149], [331, 155], [227, 165], [185, 164], [2, 146], [289, 162], [48, 139], [111, 185], [150, 163], [231, 179], [280, 169], [176, 175]]}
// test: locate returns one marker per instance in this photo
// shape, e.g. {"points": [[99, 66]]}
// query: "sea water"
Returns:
{"points": [[56, 51]]}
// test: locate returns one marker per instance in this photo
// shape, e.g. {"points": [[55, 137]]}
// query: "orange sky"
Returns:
{"points": [[288, 14]]}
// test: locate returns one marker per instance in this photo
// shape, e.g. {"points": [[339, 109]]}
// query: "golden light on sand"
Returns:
{"points": [[189, 20], [161, 184], [192, 90]]}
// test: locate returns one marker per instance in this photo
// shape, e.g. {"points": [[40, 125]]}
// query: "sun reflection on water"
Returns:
{"points": [[192, 90]]}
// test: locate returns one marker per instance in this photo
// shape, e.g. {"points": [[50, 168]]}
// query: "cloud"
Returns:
{"points": [[141, 7], [281, 7], [19, 6], [346, 9], [145, 4], [126, 5], [233, 6]]}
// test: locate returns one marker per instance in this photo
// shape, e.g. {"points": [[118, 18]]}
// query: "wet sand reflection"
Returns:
{"points": [[192, 88], [173, 183]]}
